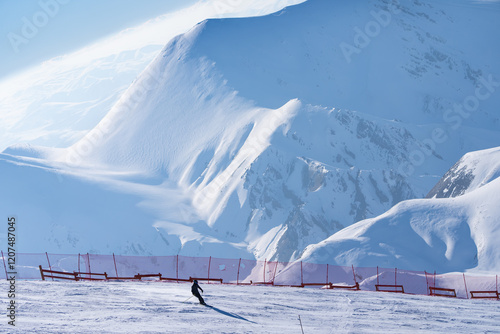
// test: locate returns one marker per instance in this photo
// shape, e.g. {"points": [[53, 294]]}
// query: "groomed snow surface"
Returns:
{"points": [[154, 307]]}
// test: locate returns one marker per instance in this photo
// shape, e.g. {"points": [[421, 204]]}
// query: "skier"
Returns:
{"points": [[196, 293]]}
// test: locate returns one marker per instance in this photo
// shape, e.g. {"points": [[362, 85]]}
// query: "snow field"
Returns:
{"points": [[154, 307], [451, 234]]}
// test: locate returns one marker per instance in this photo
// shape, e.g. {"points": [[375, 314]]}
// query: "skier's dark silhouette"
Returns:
{"points": [[196, 293]]}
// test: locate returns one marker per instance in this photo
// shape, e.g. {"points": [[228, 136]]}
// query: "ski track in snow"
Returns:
{"points": [[154, 307]]}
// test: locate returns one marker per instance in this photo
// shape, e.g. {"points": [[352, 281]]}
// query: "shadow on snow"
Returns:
{"points": [[232, 315]]}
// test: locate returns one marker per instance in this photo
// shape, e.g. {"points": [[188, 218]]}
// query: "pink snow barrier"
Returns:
{"points": [[242, 271]]}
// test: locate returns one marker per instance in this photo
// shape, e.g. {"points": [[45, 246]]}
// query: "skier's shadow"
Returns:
{"points": [[232, 315]]}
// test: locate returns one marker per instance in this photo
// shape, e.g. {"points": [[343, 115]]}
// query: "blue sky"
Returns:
{"points": [[62, 26]]}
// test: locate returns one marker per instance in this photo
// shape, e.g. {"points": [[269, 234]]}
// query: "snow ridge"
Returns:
{"points": [[256, 137], [454, 234], [473, 171]]}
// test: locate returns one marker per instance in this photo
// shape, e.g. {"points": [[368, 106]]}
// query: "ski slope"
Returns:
{"points": [[152, 307]]}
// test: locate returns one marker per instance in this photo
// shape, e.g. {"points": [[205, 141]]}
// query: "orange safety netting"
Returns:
{"points": [[244, 271]]}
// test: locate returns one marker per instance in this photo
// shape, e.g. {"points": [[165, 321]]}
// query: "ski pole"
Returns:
{"points": [[188, 299]]}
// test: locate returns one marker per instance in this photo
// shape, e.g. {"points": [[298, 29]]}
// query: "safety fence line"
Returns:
{"points": [[251, 272]]}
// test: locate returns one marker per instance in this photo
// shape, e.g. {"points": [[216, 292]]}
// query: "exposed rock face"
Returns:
{"points": [[472, 171]]}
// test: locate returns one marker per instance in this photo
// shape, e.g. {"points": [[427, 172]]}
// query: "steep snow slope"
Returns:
{"points": [[406, 60], [57, 102], [210, 153], [452, 234], [474, 170]]}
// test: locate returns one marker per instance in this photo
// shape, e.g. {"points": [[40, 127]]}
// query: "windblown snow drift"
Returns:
{"points": [[257, 137]]}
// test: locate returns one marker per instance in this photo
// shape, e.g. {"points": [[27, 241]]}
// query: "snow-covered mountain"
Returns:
{"points": [[57, 102], [241, 140], [471, 172], [456, 233]]}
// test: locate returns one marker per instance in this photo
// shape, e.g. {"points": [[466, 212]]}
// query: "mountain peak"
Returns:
{"points": [[472, 171]]}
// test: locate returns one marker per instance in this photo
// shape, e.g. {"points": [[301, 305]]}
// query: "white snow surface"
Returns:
{"points": [[126, 307], [485, 165], [452, 234], [473, 171], [240, 140], [57, 102]]}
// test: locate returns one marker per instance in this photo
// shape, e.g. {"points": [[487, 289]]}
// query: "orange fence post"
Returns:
{"points": [[265, 261], [114, 260], [209, 261], [426, 281], [90, 271], [177, 269], [41, 272], [275, 269], [301, 274], [48, 261], [465, 283], [5, 267], [238, 274]]}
